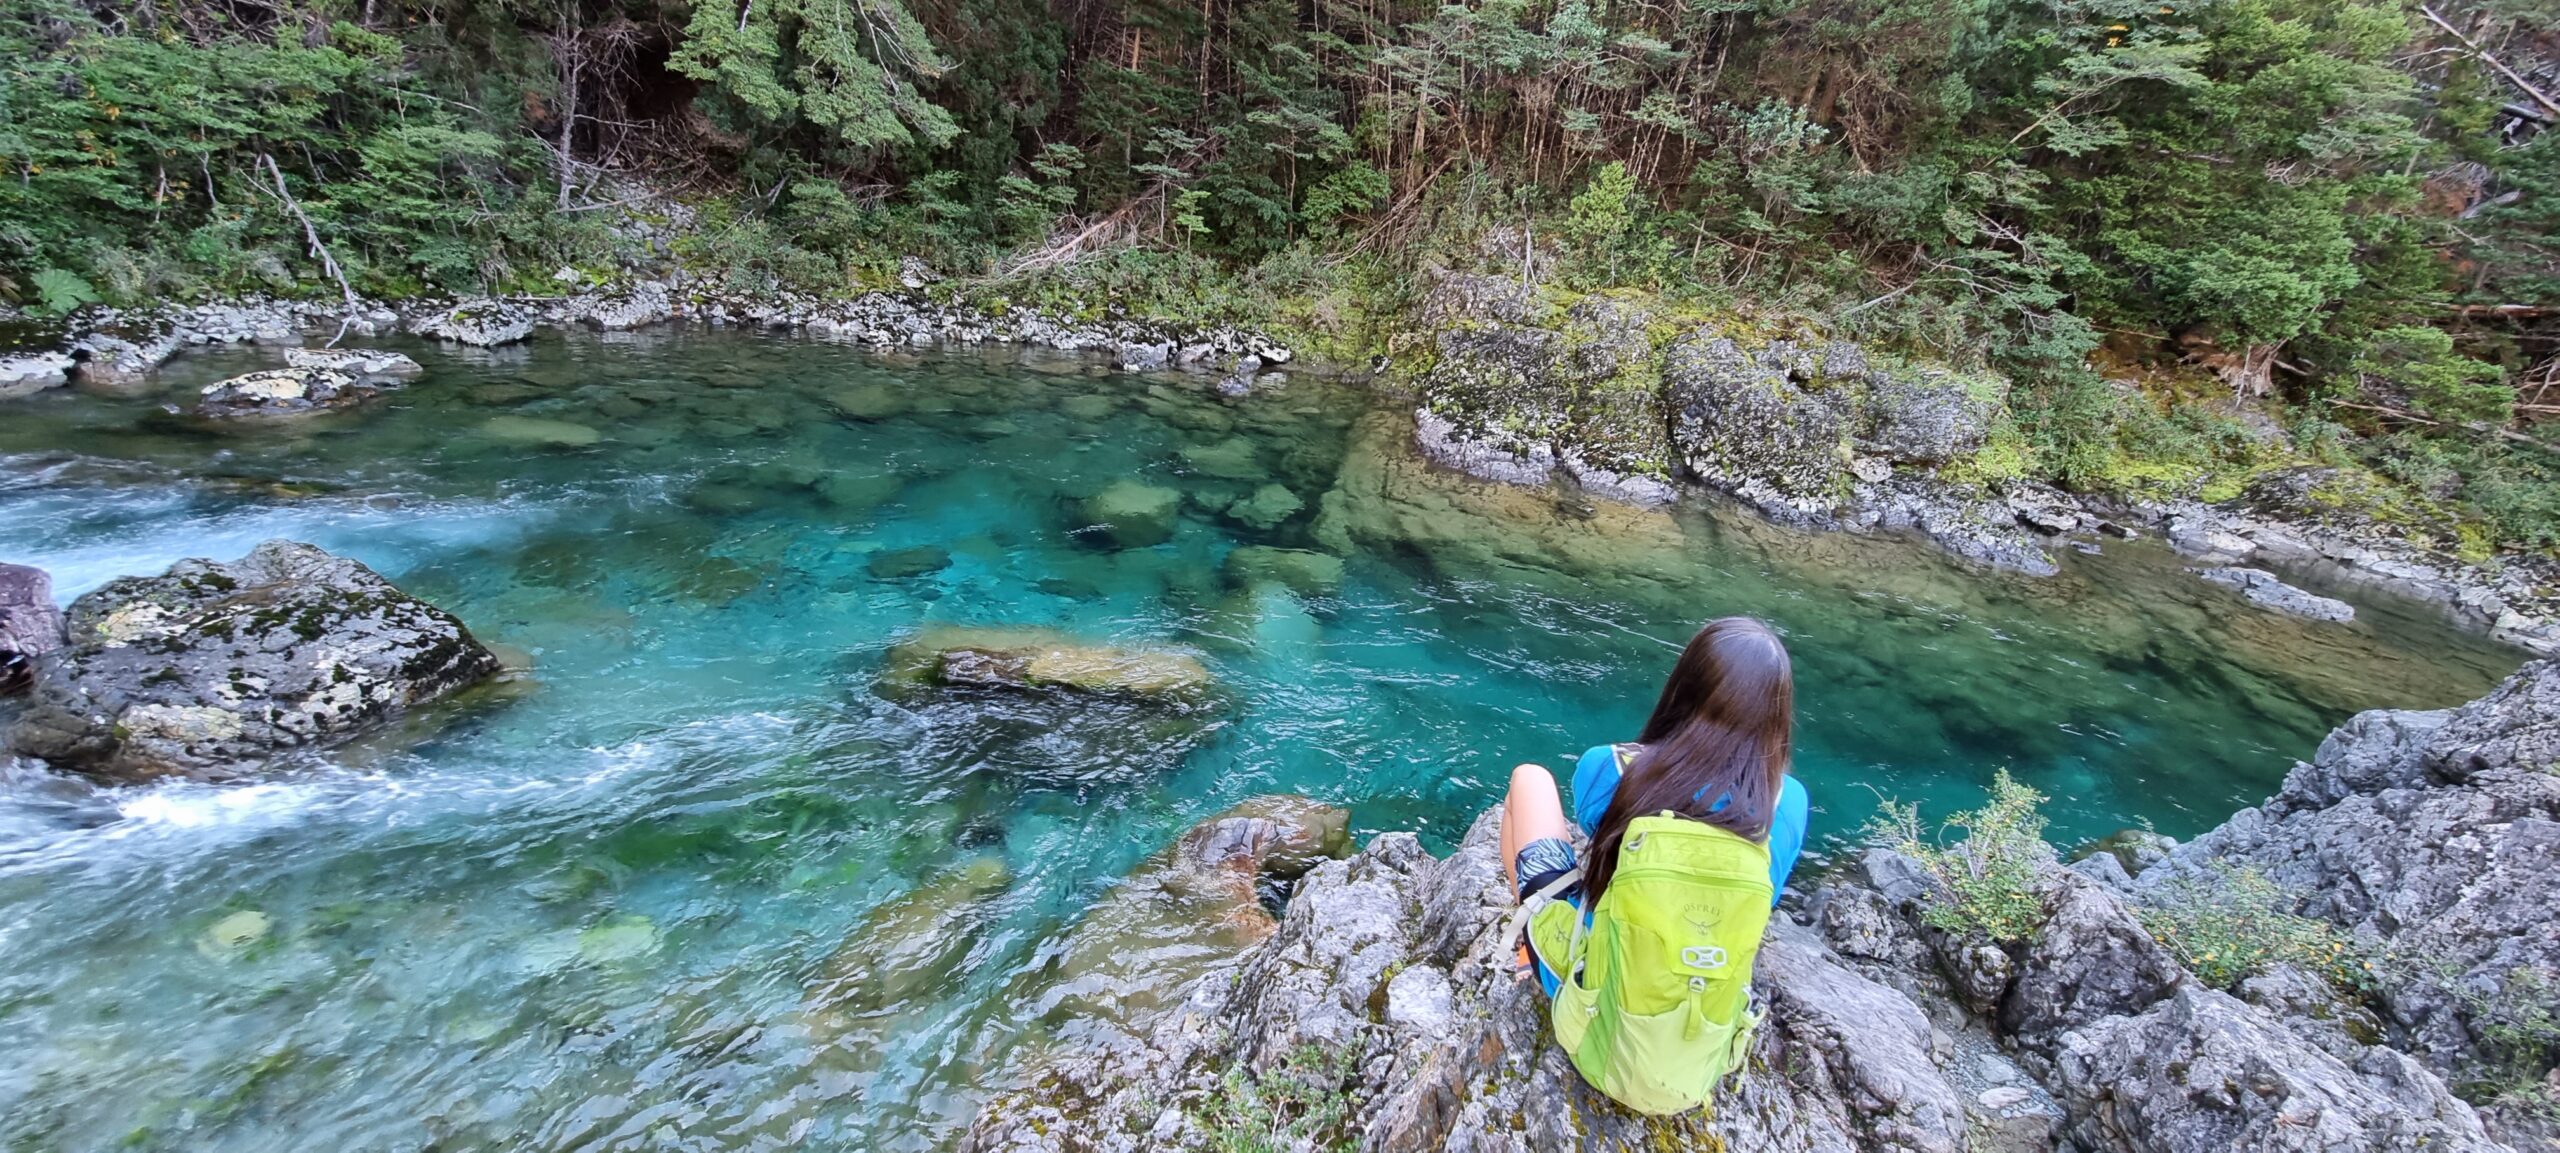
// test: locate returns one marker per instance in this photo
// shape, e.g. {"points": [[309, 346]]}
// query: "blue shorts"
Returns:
{"points": [[1540, 862]]}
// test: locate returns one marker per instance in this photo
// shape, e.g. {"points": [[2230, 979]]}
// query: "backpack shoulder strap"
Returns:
{"points": [[1529, 906]]}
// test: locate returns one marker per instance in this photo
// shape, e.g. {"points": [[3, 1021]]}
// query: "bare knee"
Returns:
{"points": [[1531, 781], [1531, 810]]}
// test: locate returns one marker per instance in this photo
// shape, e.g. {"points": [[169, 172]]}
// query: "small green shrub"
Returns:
{"points": [[1989, 879], [2237, 923], [1298, 1105], [2519, 1035]]}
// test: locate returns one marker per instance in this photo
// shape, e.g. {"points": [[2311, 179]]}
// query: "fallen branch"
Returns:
{"points": [[2521, 311], [2471, 425], [319, 251], [2522, 85]]}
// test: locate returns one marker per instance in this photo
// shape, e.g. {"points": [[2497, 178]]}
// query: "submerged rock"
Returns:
{"points": [[904, 947], [1266, 509], [1129, 514], [1300, 571], [902, 563], [211, 666], [284, 392], [1189, 907], [539, 431], [2265, 588], [1042, 659], [30, 625]]}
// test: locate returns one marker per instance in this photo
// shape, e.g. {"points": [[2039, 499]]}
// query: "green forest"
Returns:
{"points": [[2166, 222]]}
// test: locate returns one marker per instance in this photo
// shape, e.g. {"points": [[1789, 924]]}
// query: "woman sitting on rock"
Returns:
{"points": [[1693, 830]]}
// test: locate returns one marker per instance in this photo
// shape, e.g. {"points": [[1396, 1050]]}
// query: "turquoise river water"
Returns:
{"points": [[587, 911]]}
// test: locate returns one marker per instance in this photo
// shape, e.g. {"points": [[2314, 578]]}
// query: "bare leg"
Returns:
{"points": [[1530, 811]]}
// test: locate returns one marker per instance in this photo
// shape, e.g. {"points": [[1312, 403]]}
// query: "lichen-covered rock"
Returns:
{"points": [[284, 392], [2202, 1071], [482, 322], [353, 361], [1753, 430], [1924, 416], [1619, 434], [1500, 388], [2265, 588], [210, 667], [30, 625], [2434, 836], [110, 361], [639, 306]]}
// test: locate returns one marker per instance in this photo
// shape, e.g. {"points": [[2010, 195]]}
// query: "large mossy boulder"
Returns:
{"points": [[210, 667], [1927, 416], [1500, 387], [1030, 658], [1752, 425], [1036, 708]]}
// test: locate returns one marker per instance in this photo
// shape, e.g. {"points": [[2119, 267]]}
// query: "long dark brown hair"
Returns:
{"points": [[1723, 728]]}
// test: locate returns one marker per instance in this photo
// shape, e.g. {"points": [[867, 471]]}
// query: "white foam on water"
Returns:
{"points": [[203, 807]]}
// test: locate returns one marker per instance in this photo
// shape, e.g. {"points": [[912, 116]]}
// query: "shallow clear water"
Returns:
{"points": [[590, 913]]}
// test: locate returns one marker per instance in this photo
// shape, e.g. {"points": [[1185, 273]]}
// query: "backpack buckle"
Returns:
{"points": [[1703, 956]]}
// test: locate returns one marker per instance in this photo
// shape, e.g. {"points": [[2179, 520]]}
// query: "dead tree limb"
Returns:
{"points": [[2482, 54], [319, 251]]}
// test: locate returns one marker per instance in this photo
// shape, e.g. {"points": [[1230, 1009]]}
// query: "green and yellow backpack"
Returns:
{"points": [[1654, 1004]]}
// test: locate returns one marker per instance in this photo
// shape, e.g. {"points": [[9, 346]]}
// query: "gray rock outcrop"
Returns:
{"points": [[483, 323], [285, 392], [1384, 1001], [30, 373], [2203, 1071], [2433, 837], [1391, 961], [30, 625], [210, 667], [2265, 588]]}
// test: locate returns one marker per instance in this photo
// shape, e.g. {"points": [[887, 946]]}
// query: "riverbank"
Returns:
{"points": [[2319, 972], [715, 809], [1610, 401]]}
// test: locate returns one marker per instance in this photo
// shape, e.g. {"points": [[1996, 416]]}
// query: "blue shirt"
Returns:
{"points": [[1595, 783]]}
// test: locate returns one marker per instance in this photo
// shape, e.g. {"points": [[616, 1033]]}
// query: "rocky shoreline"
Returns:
{"points": [[1613, 401], [1381, 1013], [1825, 437]]}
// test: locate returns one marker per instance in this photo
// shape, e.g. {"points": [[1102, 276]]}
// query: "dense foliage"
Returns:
{"points": [[2340, 208]]}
